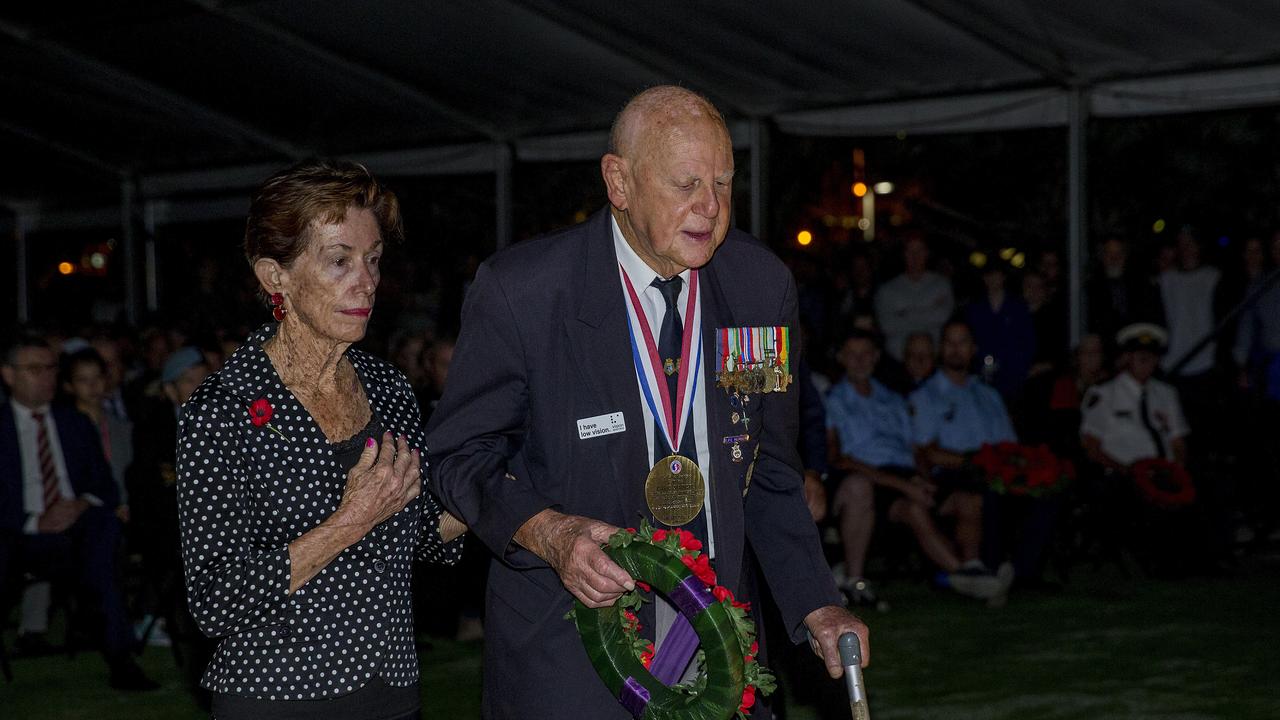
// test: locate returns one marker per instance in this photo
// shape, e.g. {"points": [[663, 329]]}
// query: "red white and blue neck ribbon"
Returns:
{"points": [[674, 414]]}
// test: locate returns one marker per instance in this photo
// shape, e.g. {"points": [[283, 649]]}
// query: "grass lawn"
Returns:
{"points": [[1108, 647]]}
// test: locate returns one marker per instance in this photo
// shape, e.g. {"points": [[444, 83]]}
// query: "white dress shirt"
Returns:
{"points": [[28, 449], [641, 276], [1111, 412]]}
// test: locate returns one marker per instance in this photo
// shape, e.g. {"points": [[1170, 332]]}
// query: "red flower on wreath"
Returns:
{"points": [[659, 535], [722, 593], [701, 568], [748, 699], [1015, 469], [260, 411], [687, 540], [646, 657]]}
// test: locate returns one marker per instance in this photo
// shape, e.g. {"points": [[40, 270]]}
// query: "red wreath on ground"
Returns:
{"points": [[1163, 484], [1015, 469]]}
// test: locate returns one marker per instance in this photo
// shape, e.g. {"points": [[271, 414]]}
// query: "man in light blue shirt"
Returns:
{"points": [[955, 413], [870, 444]]}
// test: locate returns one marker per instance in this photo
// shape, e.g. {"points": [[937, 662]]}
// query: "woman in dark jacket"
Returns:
{"points": [[299, 473]]}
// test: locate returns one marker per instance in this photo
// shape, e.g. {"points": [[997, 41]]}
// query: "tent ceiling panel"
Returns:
{"points": [[171, 89]]}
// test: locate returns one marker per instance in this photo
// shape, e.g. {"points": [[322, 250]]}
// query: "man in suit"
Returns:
{"points": [[551, 421], [58, 500]]}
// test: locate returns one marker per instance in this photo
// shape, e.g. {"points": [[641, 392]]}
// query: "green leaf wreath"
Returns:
{"points": [[728, 678]]}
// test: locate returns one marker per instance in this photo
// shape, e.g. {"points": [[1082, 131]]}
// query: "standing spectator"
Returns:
{"points": [[858, 298], [1049, 320], [1257, 346], [57, 501], [953, 414], [1006, 337], [1049, 267], [915, 301], [1188, 293], [1117, 296]]}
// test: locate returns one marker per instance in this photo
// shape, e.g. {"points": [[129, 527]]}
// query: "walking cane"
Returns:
{"points": [[851, 659]]}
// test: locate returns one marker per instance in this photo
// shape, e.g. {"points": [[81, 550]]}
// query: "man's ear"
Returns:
{"points": [[270, 275], [8, 375], [615, 171]]}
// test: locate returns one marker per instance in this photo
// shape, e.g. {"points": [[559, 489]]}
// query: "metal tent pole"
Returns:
{"points": [[1077, 207]]}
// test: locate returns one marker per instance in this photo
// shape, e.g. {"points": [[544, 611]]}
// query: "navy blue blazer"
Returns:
{"points": [[81, 453], [544, 343]]}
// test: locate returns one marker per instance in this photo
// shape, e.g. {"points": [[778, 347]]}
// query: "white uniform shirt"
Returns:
{"points": [[1110, 412], [32, 483], [641, 276]]}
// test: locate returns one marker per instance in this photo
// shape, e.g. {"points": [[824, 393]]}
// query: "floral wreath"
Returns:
{"points": [[671, 562], [1163, 484], [1013, 469]]}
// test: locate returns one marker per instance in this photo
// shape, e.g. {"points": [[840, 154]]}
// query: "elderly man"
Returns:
{"points": [[556, 410]]}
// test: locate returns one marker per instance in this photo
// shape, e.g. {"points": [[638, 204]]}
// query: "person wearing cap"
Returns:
{"points": [[153, 530], [1134, 416]]}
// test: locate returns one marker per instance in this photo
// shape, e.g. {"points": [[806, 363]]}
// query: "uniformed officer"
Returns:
{"points": [[955, 413], [1134, 416], [870, 444]]}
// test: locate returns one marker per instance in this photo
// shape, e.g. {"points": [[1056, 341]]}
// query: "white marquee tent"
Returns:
{"points": [[138, 113]]}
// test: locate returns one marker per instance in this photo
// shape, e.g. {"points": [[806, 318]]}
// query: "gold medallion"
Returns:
{"points": [[674, 490]]}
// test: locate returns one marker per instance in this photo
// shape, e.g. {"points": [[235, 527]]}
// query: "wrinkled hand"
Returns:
{"points": [[826, 625], [384, 480], [815, 496], [60, 516], [570, 544]]}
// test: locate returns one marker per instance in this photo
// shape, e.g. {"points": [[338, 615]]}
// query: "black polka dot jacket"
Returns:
{"points": [[246, 491]]}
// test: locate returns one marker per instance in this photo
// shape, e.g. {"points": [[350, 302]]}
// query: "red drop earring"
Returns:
{"points": [[277, 306]]}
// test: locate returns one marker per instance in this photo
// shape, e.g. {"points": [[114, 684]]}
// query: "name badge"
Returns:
{"points": [[607, 424]]}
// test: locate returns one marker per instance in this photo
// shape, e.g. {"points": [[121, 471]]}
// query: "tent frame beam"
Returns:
{"points": [[117, 80]]}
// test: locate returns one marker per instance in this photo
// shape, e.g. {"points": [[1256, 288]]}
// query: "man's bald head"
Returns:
{"points": [[669, 177], [655, 110]]}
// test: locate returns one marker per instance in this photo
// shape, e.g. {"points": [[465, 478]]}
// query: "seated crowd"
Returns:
{"points": [[901, 387]]}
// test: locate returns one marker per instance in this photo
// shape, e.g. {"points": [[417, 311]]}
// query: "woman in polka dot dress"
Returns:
{"points": [[299, 473]]}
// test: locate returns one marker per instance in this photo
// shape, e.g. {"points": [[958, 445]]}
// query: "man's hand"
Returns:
{"points": [[921, 491], [826, 625], [60, 516], [570, 544], [815, 495]]}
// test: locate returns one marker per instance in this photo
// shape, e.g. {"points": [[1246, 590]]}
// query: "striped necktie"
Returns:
{"points": [[48, 473]]}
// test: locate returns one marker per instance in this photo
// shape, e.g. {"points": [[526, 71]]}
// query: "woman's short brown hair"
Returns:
{"points": [[314, 191]]}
